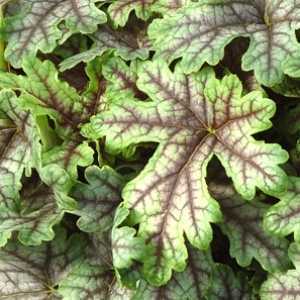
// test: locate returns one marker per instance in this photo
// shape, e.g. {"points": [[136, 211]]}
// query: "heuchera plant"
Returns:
{"points": [[149, 149]]}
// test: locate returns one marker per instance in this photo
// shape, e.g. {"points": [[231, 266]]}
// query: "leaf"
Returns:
{"points": [[129, 43], [281, 286], [38, 209], [289, 87], [44, 94], [33, 272], [122, 80], [90, 276], [69, 155], [283, 217], [119, 10], [228, 286], [126, 247], [19, 146], [199, 33], [36, 27], [193, 283], [243, 224], [98, 199], [192, 118]]}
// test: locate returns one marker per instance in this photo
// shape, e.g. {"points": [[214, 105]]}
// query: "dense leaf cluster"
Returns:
{"points": [[149, 149]]}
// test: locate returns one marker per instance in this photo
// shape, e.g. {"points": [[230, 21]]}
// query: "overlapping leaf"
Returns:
{"points": [[227, 285], [192, 118], [129, 43], [193, 283], [91, 276], [44, 94], [199, 33], [19, 146], [126, 247], [283, 217], [33, 272], [39, 208], [243, 224], [98, 199], [36, 26], [119, 10]]}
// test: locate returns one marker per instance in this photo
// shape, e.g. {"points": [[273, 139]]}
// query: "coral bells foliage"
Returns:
{"points": [[149, 149]]}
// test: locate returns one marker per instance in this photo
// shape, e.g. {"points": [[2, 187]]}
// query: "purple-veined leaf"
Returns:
{"points": [[36, 26], [126, 247], [91, 276], [122, 80], [31, 273], [283, 217], [226, 285], [199, 33], [281, 286], [98, 199], [192, 118], [119, 10], [19, 146], [243, 224], [129, 43], [46, 95], [193, 283], [40, 206]]}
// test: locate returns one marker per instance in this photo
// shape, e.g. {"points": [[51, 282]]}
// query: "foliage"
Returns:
{"points": [[149, 149]]}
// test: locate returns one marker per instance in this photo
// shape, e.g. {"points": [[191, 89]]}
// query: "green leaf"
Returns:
{"points": [[129, 43], [193, 283], [119, 10], [227, 285], [281, 286], [98, 199], [192, 118], [243, 224], [91, 275], [19, 146], [122, 79], [199, 33], [36, 26], [33, 272], [45, 94], [126, 247], [283, 217], [289, 87]]}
